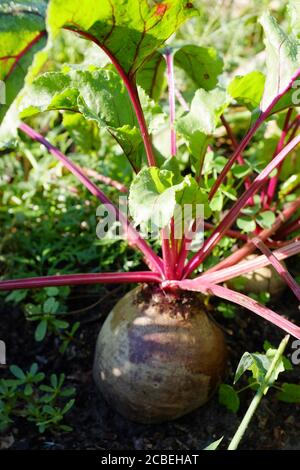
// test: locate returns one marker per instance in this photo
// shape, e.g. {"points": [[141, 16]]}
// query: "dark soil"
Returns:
{"points": [[95, 425]]}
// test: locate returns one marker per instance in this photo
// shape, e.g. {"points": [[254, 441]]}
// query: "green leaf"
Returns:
{"points": [[22, 35], [151, 76], [282, 56], [17, 372], [229, 397], [216, 203], [290, 393], [28, 390], [52, 291], [50, 305], [61, 324], [199, 124], [240, 171], [152, 197], [130, 30], [289, 185], [266, 219], [33, 368], [41, 330], [202, 64], [101, 97], [259, 364], [248, 89], [246, 223], [68, 406]]}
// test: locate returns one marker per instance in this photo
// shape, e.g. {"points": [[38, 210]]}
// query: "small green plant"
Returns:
{"points": [[256, 365], [29, 396], [265, 369]]}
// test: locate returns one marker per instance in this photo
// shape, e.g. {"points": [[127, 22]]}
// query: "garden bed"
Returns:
{"points": [[97, 426]]}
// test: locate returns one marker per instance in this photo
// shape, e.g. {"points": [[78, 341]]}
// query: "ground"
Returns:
{"points": [[96, 426]]}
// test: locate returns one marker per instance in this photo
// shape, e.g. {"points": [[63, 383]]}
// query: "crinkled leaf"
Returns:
{"points": [[282, 58], [130, 30], [100, 96], [248, 89], [202, 64]]}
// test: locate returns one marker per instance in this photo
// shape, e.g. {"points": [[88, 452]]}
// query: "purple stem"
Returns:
{"points": [[274, 180], [79, 279], [132, 91], [244, 267], [133, 236], [238, 298], [171, 84], [279, 267], [233, 213], [243, 144]]}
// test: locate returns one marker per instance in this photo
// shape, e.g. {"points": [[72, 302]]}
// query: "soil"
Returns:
{"points": [[276, 425]]}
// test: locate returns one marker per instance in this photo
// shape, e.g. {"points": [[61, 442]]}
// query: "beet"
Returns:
{"points": [[158, 357]]}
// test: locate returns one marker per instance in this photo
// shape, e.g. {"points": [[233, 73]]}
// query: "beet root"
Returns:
{"points": [[158, 357]]}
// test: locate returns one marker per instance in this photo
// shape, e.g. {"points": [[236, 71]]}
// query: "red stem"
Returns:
{"points": [[21, 54], [290, 228], [249, 248], [244, 267], [79, 279], [170, 75], [274, 180], [235, 145], [106, 180], [132, 91], [133, 236], [233, 213], [238, 298], [280, 268], [243, 144]]}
